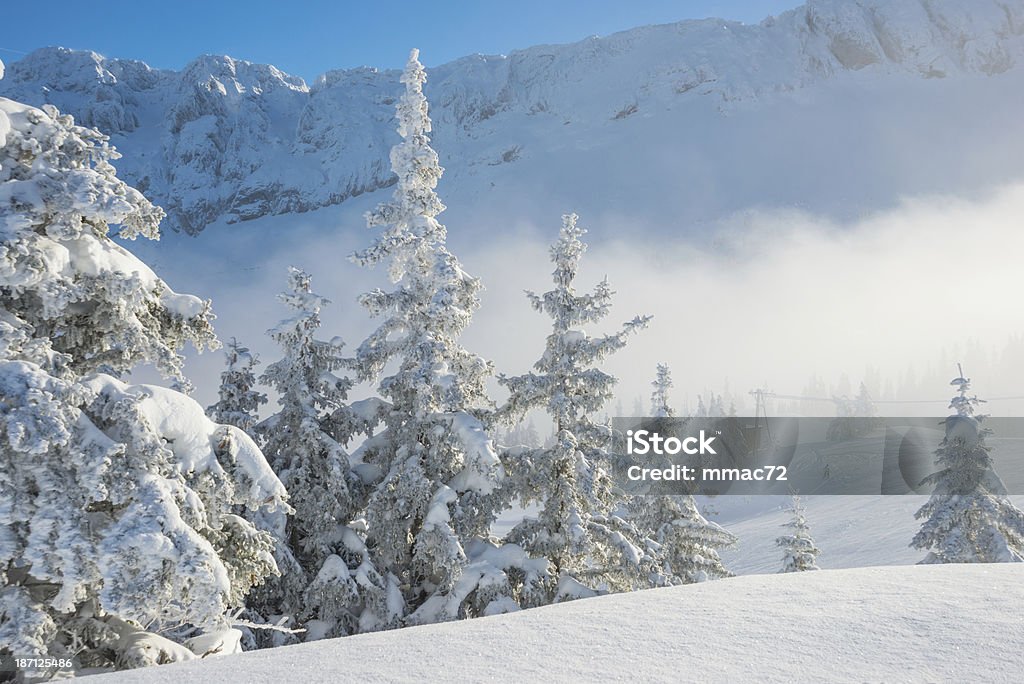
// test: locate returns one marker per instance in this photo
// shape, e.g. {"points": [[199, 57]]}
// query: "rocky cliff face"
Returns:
{"points": [[230, 139]]}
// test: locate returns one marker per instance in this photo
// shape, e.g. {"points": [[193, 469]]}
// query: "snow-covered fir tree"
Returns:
{"points": [[440, 478], [799, 551], [524, 433], [530, 435], [855, 417], [717, 407], [660, 405], [239, 401], [702, 410], [580, 528], [328, 575], [968, 518], [638, 407], [714, 408], [119, 503], [864, 405], [687, 544]]}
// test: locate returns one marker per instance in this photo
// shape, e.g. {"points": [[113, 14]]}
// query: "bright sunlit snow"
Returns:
{"points": [[917, 624]]}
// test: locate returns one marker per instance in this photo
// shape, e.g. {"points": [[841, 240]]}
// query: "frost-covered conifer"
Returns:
{"points": [[855, 417], [327, 572], [864, 405], [660, 406], [687, 542], [524, 434], [702, 410], [118, 503], [968, 517], [580, 528], [239, 401], [99, 307], [530, 435], [717, 408], [799, 551], [440, 476]]}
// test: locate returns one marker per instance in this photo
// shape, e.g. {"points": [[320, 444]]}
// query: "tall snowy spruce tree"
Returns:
{"points": [[430, 513], [687, 544], [239, 401], [327, 575], [969, 519], [580, 529], [660, 406], [799, 552], [118, 503]]}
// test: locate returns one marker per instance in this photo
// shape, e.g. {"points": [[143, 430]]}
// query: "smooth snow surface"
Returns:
{"points": [[936, 623]]}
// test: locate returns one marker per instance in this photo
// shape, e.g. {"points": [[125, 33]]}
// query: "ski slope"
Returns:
{"points": [[918, 623], [851, 531]]}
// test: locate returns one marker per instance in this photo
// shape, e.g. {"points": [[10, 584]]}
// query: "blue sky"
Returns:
{"points": [[308, 38]]}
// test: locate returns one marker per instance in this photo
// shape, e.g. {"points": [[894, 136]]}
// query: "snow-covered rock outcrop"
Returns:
{"points": [[228, 138]]}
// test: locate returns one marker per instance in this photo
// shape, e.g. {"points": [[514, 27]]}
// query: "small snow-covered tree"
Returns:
{"points": [[530, 435], [688, 544], [799, 551], [118, 503], [525, 434], [717, 407], [864, 405], [296, 441], [660, 406], [968, 518], [328, 574], [701, 410], [440, 476], [580, 529], [855, 417], [714, 408], [239, 401]]}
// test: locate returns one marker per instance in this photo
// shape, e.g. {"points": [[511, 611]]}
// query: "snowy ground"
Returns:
{"points": [[921, 623], [851, 531]]}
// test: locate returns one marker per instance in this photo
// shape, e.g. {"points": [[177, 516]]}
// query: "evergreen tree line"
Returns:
{"points": [[398, 532]]}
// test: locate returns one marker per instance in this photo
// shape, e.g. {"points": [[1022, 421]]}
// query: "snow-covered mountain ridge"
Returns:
{"points": [[229, 139]]}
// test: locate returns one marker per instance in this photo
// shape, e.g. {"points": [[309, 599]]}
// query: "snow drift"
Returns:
{"points": [[937, 623]]}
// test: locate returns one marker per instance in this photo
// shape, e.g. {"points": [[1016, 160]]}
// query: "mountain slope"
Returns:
{"points": [[934, 623], [230, 139]]}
